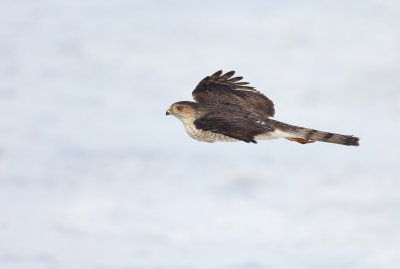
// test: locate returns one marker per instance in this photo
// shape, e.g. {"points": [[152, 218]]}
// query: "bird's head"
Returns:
{"points": [[182, 110]]}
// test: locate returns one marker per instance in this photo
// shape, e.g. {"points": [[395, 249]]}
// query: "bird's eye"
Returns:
{"points": [[179, 108]]}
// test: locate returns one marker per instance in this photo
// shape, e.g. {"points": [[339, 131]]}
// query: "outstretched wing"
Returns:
{"points": [[226, 89], [235, 126]]}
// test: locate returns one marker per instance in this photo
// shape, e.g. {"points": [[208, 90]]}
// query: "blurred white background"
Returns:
{"points": [[94, 176]]}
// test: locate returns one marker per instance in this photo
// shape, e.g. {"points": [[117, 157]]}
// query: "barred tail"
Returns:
{"points": [[315, 135], [305, 135]]}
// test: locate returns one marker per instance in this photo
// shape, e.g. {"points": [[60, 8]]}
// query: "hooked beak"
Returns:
{"points": [[168, 111]]}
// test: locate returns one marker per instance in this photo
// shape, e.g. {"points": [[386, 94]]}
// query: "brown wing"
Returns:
{"points": [[224, 89], [235, 125]]}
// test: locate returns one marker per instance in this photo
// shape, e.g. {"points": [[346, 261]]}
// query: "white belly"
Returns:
{"points": [[206, 136]]}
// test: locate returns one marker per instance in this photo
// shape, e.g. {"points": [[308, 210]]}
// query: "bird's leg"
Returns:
{"points": [[300, 140]]}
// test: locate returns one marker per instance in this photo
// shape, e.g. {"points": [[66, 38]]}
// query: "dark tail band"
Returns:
{"points": [[316, 135]]}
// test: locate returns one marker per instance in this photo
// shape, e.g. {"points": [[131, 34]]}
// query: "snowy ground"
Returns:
{"points": [[94, 176]]}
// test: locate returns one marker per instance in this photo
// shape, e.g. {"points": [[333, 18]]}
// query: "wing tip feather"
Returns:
{"points": [[216, 74], [228, 75]]}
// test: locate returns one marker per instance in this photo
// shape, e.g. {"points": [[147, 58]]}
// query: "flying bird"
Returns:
{"points": [[228, 110]]}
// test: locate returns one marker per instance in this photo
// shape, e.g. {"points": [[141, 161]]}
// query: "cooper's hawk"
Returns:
{"points": [[229, 110]]}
